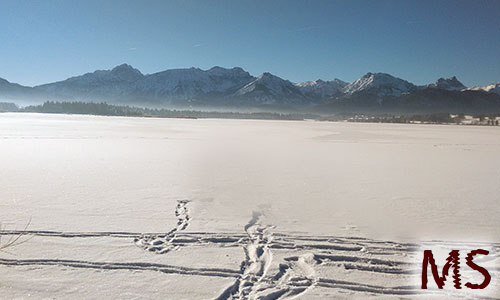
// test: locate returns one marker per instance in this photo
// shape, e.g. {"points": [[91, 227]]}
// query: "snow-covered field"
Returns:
{"points": [[234, 209]]}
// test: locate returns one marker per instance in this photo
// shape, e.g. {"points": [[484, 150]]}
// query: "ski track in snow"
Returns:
{"points": [[294, 276], [131, 266], [162, 243]]}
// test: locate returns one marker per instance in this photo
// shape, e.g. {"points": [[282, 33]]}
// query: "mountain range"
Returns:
{"points": [[222, 87]]}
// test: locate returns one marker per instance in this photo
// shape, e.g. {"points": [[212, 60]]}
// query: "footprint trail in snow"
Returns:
{"points": [[163, 243], [276, 265], [294, 277]]}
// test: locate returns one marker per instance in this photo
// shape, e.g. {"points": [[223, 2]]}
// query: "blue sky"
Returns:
{"points": [[48, 40]]}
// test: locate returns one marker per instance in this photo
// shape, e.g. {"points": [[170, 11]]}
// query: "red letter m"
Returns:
{"points": [[453, 261]]}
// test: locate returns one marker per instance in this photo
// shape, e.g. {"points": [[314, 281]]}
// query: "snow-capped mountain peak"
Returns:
{"points": [[266, 81], [234, 72], [321, 88], [235, 86], [492, 88], [382, 84], [268, 88], [126, 72], [450, 84], [96, 85], [266, 76], [190, 83]]}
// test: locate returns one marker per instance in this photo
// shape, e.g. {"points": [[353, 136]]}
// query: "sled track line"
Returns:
{"points": [[114, 234], [392, 291], [131, 266], [280, 240], [292, 289], [193, 238], [73, 234]]}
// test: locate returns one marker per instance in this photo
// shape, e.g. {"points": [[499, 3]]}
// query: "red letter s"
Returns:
{"points": [[487, 276]]}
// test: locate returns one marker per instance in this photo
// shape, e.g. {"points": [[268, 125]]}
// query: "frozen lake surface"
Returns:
{"points": [[200, 209]]}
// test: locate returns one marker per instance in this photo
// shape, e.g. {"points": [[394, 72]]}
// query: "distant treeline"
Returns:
{"points": [[7, 106], [104, 109]]}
